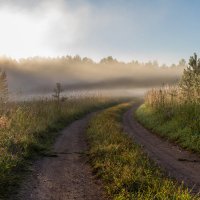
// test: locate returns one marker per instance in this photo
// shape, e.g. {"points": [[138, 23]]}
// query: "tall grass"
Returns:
{"points": [[126, 171], [28, 128], [171, 113]]}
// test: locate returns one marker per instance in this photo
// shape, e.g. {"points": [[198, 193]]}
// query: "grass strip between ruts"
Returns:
{"points": [[125, 170]]}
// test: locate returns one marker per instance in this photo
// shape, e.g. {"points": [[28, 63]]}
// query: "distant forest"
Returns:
{"points": [[38, 74]]}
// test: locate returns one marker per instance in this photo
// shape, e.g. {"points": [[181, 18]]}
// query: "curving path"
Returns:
{"points": [[177, 163], [65, 175]]}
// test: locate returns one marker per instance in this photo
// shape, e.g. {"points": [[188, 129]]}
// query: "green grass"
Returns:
{"points": [[125, 170], [182, 126], [29, 128]]}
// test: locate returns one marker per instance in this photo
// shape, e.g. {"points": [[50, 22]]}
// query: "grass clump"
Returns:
{"points": [[174, 112], [125, 170], [181, 127], [29, 128]]}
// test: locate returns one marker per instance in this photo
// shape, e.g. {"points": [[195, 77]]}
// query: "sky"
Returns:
{"points": [[162, 30]]}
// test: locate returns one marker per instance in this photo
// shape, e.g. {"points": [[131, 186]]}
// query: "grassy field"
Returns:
{"points": [[29, 128], [174, 112], [125, 170], [172, 117]]}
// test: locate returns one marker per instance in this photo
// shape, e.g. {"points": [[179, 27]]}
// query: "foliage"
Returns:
{"points": [[29, 128], [126, 171], [190, 81], [179, 124], [174, 112]]}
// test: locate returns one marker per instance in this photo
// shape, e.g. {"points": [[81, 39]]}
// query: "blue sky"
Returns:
{"points": [[163, 30]]}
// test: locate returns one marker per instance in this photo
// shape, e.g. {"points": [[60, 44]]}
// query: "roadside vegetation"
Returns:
{"points": [[29, 128], [126, 171], [174, 112]]}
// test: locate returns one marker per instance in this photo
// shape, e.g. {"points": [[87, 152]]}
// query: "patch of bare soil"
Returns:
{"points": [[176, 162], [66, 174]]}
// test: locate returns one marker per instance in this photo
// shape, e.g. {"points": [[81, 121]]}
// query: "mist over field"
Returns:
{"points": [[39, 75]]}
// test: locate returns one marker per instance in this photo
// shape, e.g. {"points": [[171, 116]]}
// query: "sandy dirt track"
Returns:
{"points": [[176, 162], [67, 174]]}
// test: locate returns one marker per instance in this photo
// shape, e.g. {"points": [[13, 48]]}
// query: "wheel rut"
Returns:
{"points": [[176, 162], [65, 174]]}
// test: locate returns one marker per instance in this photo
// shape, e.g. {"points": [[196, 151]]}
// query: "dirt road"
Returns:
{"points": [[65, 175], [177, 163]]}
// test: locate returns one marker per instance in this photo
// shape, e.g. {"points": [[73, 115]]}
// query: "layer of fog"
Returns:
{"points": [[39, 75]]}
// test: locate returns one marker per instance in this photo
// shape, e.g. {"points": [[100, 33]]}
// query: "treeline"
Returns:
{"points": [[39, 74]]}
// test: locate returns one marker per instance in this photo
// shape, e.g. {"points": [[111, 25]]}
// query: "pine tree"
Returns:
{"points": [[194, 64], [190, 81]]}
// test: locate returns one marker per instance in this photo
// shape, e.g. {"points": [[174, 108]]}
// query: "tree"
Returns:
{"points": [[77, 59], [190, 81], [108, 60], [194, 64], [3, 87], [87, 60], [57, 91], [182, 63]]}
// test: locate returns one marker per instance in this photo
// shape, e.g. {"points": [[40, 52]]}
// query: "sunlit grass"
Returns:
{"points": [[29, 128], [167, 112], [125, 170]]}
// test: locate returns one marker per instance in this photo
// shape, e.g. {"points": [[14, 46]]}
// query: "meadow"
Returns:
{"points": [[174, 112], [28, 129], [127, 173], [172, 117]]}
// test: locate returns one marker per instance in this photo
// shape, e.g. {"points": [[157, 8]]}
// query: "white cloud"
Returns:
{"points": [[85, 27], [49, 29]]}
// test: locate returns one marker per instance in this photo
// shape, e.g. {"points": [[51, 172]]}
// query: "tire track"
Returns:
{"points": [[66, 174], [176, 162]]}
